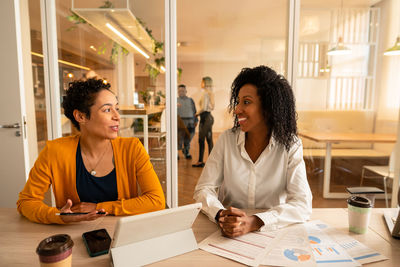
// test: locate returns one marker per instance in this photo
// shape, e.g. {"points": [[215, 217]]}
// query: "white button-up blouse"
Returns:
{"points": [[276, 181]]}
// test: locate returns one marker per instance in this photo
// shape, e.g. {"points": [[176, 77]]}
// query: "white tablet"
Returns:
{"points": [[146, 238]]}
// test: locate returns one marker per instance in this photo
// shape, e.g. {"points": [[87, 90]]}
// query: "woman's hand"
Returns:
{"points": [[235, 222], [81, 207], [84, 207]]}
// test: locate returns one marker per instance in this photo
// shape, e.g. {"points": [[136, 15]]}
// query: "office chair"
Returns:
{"points": [[383, 172]]}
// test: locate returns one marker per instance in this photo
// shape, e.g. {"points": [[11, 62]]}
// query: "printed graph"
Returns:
{"points": [[297, 254], [314, 240], [349, 245]]}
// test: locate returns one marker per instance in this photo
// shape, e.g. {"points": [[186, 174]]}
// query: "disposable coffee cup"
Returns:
{"points": [[359, 214], [55, 251]]}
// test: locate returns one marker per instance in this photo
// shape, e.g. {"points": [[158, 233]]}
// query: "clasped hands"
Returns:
{"points": [[235, 222], [81, 207]]}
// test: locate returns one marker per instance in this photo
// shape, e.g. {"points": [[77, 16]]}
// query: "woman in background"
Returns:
{"points": [[206, 105], [95, 172], [258, 164]]}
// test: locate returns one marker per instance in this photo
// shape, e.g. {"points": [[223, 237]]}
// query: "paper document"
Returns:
{"points": [[326, 251], [310, 244], [248, 249], [357, 250], [290, 248]]}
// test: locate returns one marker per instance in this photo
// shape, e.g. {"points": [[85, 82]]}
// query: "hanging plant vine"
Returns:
{"points": [[116, 49]]}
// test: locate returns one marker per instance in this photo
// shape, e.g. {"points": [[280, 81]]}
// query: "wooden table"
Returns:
{"points": [[134, 113], [20, 237], [332, 138]]}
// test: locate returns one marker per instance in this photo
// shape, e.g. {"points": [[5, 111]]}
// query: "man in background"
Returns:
{"points": [[187, 112]]}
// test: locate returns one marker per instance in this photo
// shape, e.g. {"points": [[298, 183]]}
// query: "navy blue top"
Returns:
{"points": [[94, 189]]}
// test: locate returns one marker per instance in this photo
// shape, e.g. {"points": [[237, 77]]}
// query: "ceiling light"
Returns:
{"points": [[70, 75], [64, 62], [93, 48], [339, 49], [127, 40], [395, 50], [162, 68]]}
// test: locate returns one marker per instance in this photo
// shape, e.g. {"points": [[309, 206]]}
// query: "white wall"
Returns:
{"points": [[311, 94], [18, 153]]}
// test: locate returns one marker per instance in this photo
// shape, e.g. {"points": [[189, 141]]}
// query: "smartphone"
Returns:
{"points": [[97, 242]]}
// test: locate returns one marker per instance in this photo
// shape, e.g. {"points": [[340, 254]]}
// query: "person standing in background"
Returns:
{"points": [[206, 105], [187, 112]]}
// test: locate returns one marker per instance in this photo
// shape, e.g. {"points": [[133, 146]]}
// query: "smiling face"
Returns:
{"points": [[104, 117], [249, 110]]}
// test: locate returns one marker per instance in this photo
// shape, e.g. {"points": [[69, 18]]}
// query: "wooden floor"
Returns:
{"points": [[188, 176]]}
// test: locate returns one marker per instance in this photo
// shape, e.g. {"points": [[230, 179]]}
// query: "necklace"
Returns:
{"points": [[93, 172]]}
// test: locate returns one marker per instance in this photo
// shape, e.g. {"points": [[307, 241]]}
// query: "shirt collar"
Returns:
{"points": [[241, 138]]}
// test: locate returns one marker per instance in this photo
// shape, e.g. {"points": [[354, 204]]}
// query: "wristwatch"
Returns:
{"points": [[217, 216]]}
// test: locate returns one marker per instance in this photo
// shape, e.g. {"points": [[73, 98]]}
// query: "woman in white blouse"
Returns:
{"points": [[206, 105], [258, 164]]}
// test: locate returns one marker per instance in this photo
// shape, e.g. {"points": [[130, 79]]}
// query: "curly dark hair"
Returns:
{"points": [[277, 101], [81, 95]]}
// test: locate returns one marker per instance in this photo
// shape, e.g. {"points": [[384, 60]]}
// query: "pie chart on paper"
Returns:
{"points": [[314, 240], [297, 254]]}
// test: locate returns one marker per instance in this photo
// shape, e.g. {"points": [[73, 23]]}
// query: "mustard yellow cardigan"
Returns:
{"points": [[56, 167]]}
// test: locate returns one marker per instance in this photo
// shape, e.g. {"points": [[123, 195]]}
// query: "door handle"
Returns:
{"points": [[11, 126]]}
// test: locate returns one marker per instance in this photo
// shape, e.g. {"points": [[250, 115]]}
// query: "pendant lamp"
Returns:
{"points": [[395, 50], [340, 48]]}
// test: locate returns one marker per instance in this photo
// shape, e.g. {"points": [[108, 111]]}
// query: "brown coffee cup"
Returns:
{"points": [[55, 251]]}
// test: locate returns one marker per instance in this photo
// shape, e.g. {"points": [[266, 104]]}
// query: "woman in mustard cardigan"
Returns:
{"points": [[94, 171]]}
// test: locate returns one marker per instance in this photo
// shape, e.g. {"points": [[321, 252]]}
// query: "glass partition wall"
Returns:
{"points": [[217, 39], [38, 73], [355, 93], [121, 43], [340, 95]]}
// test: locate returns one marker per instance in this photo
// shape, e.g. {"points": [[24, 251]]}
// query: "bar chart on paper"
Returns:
{"points": [[326, 251], [332, 255], [355, 249]]}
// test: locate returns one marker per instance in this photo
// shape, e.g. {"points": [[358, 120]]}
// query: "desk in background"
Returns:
{"points": [[20, 237], [131, 112], [332, 138]]}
